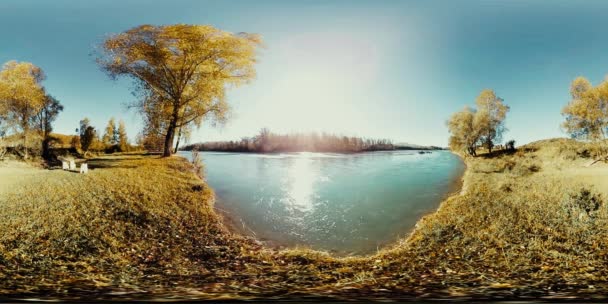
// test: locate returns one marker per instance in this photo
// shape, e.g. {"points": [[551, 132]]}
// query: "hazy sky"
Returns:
{"points": [[390, 69]]}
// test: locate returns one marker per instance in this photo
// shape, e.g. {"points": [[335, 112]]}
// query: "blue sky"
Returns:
{"points": [[390, 69]]}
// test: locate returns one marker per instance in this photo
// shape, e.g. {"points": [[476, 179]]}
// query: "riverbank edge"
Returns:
{"points": [[459, 190], [231, 221]]}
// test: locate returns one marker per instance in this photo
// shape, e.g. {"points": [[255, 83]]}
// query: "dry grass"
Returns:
{"points": [[145, 227]]}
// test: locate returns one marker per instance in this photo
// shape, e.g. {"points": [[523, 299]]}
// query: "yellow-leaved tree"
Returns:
{"points": [[110, 135], [484, 125], [22, 96], [489, 118], [182, 71], [587, 113], [464, 134], [123, 140]]}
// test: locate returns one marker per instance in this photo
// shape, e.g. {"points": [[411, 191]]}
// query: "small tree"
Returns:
{"points": [[110, 135], [484, 125], [464, 133], [510, 145], [587, 113], [123, 140], [490, 117], [88, 135]]}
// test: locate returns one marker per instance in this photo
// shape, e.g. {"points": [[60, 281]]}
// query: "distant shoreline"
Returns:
{"points": [[305, 151]]}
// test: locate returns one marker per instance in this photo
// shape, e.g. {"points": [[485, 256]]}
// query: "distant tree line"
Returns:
{"points": [[268, 142], [114, 138]]}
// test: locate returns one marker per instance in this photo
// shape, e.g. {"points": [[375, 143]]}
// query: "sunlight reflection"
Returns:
{"points": [[302, 177]]}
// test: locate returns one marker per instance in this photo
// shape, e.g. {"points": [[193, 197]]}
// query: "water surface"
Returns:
{"points": [[349, 204]]}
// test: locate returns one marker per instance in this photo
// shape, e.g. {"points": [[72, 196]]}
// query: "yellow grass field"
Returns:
{"points": [[529, 224]]}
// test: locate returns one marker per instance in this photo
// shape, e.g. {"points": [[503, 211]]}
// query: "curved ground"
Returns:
{"points": [[530, 225]]}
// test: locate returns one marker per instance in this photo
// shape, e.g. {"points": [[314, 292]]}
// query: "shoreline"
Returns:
{"points": [[330, 152], [235, 224], [459, 184]]}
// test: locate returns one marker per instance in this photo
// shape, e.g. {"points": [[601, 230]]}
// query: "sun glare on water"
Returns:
{"points": [[302, 175]]}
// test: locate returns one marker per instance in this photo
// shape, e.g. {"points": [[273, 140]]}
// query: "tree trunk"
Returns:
{"points": [[45, 148], [25, 129], [169, 140], [46, 142], [170, 136], [179, 135]]}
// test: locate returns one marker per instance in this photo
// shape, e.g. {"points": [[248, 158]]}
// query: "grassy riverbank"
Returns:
{"points": [[528, 224]]}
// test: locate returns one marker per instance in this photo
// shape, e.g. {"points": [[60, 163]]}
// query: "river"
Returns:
{"points": [[342, 203]]}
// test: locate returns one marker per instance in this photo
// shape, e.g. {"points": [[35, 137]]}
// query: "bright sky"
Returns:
{"points": [[389, 69]]}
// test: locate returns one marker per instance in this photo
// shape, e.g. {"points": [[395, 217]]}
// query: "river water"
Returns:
{"points": [[342, 203]]}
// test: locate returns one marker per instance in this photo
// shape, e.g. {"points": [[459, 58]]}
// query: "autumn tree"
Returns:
{"points": [[586, 115], [44, 121], [123, 140], [22, 95], [88, 135], [490, 117], [481, 126], [110, 135], [464, 133], [186, 68]]}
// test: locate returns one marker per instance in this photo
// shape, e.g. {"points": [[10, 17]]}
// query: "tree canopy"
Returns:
{"points": [[123, 140], [110, 135], [22, 96], [489, 118], [181, 71], [481, 126], [88, 135], [464, 133], [586, 115]]}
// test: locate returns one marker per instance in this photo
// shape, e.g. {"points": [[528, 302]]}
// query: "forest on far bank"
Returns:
{"points": [[268, 142]]}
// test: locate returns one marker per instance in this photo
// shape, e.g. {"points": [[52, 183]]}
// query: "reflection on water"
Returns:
{"points": [[299, 184], [345, 203]]}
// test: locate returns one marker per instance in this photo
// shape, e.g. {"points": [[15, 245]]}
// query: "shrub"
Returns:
{"points": [[587, 200], [510, 145]]}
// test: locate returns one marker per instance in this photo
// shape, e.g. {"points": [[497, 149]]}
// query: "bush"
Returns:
{"points": [[510, 145], [588, 201]]}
